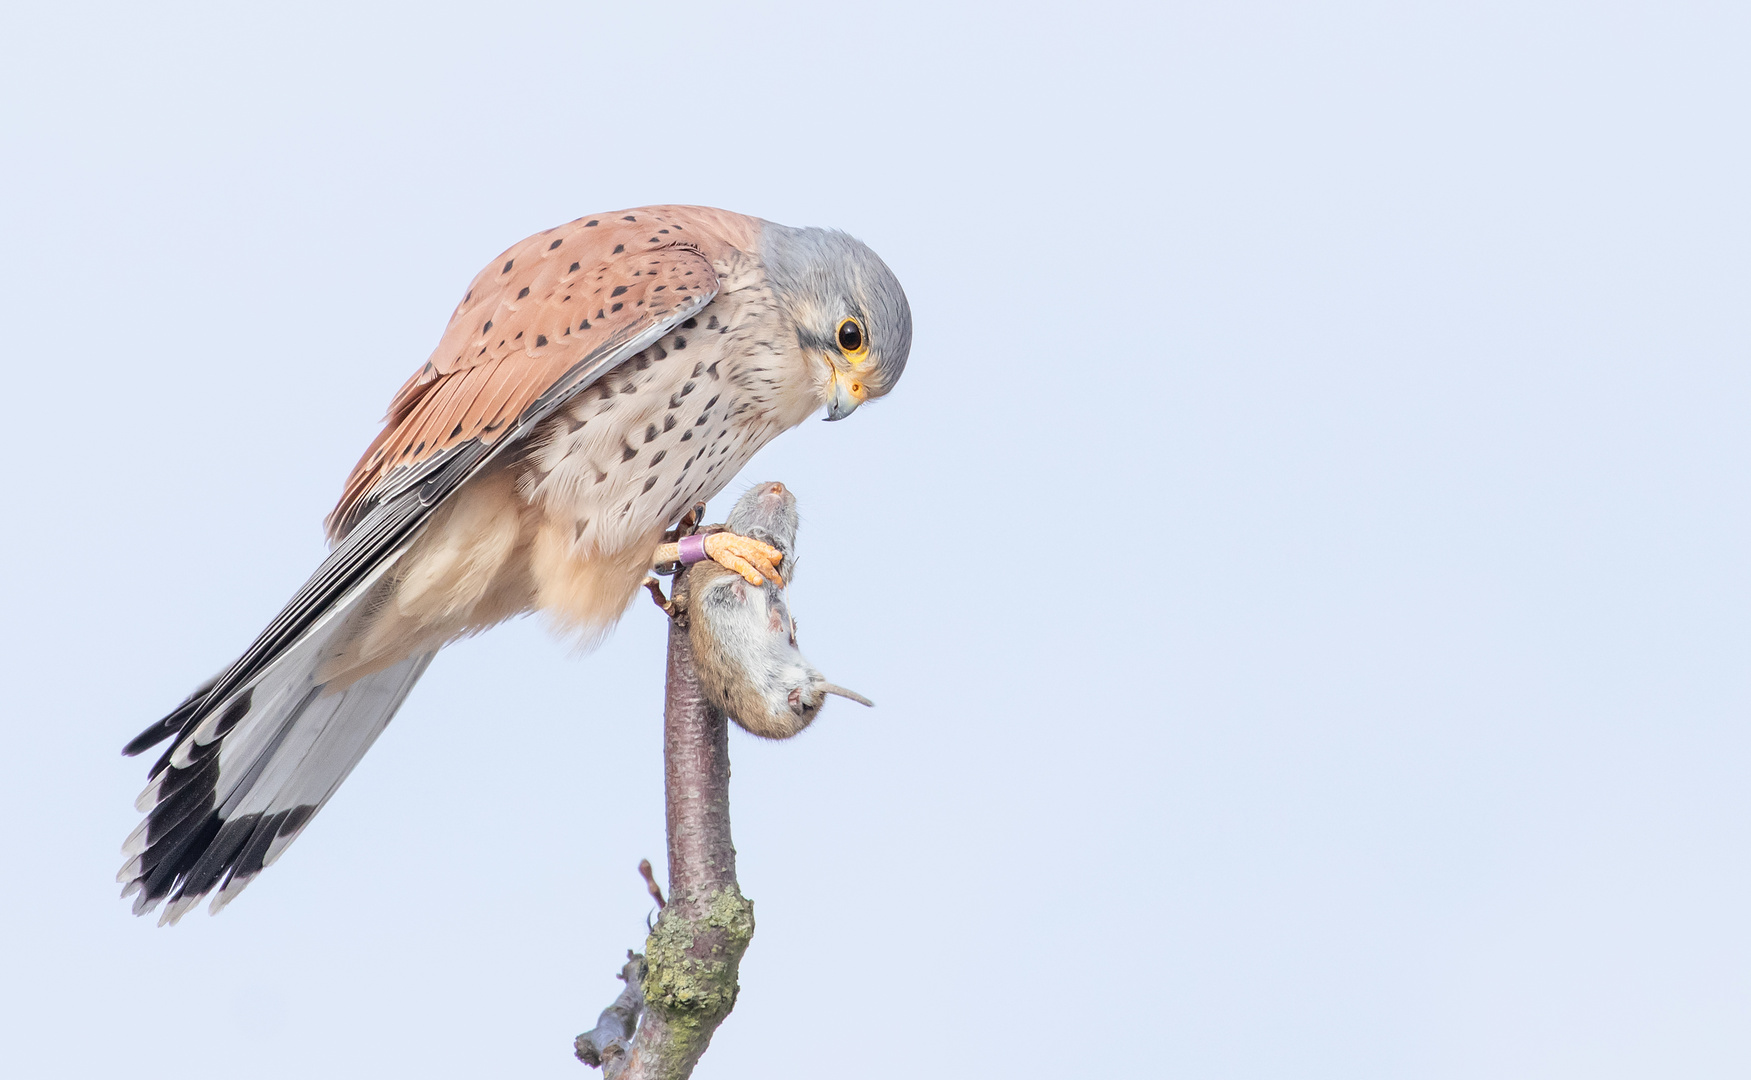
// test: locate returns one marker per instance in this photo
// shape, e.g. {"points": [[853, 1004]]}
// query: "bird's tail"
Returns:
{"points": [[240, 782]]}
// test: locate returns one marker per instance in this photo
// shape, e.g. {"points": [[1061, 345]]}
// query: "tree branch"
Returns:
{"points": [[605, 1046], [693, 954]]}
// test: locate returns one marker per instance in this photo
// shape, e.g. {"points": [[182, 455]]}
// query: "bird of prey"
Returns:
{"points": [[595, 382]]}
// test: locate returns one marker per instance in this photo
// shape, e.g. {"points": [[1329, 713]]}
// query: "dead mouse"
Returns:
{"points": [[744, 641]]}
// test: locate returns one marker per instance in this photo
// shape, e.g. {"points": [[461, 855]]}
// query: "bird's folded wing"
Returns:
{"points": [[541, 323]]}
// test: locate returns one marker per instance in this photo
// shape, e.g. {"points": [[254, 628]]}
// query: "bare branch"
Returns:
{"points": [[693, 954]]}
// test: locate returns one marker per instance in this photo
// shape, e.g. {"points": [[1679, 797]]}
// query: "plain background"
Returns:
{"points": [[1302, 573]]}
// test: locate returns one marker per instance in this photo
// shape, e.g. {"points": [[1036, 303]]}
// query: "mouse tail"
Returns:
{"points": [[844, 693]]}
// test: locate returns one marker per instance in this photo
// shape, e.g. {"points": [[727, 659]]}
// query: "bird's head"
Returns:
{"points": [[851, 316]]}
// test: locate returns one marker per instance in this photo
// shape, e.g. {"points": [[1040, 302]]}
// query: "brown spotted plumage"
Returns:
{"points": [[596, 380], [543, 308]]}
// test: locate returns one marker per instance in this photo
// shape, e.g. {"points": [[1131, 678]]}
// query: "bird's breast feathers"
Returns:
{"points": [[567, 526]]}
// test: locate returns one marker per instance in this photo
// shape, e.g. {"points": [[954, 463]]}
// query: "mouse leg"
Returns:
{"points": [[656, 588]]}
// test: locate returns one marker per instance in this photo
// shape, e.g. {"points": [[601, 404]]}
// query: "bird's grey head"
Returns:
{"points": [[847, 306]]}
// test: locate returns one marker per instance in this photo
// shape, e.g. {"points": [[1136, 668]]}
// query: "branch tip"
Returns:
{"points": [[650, 882], [607, 1044]]}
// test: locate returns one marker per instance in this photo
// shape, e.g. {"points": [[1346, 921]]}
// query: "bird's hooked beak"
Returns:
{"points": [[849, 391]]}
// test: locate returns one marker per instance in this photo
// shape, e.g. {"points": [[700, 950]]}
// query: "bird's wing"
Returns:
{"points": [[259, 749], [542, 322], [535, 327]]}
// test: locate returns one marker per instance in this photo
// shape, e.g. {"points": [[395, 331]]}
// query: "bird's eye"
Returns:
{"points": [[851, 335]]}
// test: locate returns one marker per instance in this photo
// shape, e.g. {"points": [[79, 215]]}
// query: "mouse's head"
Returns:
{"points": [[767, 512]]}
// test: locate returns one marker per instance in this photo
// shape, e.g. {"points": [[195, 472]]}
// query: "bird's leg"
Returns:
{"points": [[754, 560], [667, 559], [688, 525], [692, 521]]}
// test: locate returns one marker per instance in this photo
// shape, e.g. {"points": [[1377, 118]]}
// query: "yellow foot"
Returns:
{"points": [[750, 558]]}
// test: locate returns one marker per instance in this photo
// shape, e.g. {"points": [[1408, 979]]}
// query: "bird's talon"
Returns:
{"points": [[754, 560]]}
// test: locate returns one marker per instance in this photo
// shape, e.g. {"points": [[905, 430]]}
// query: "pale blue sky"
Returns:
{"points": [[1302, 572]]}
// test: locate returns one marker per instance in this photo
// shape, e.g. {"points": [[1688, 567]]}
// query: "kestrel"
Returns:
{"points": [[595, 382]]}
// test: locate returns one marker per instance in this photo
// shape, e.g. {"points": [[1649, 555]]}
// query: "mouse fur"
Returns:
{"points": [[743, 637]]}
